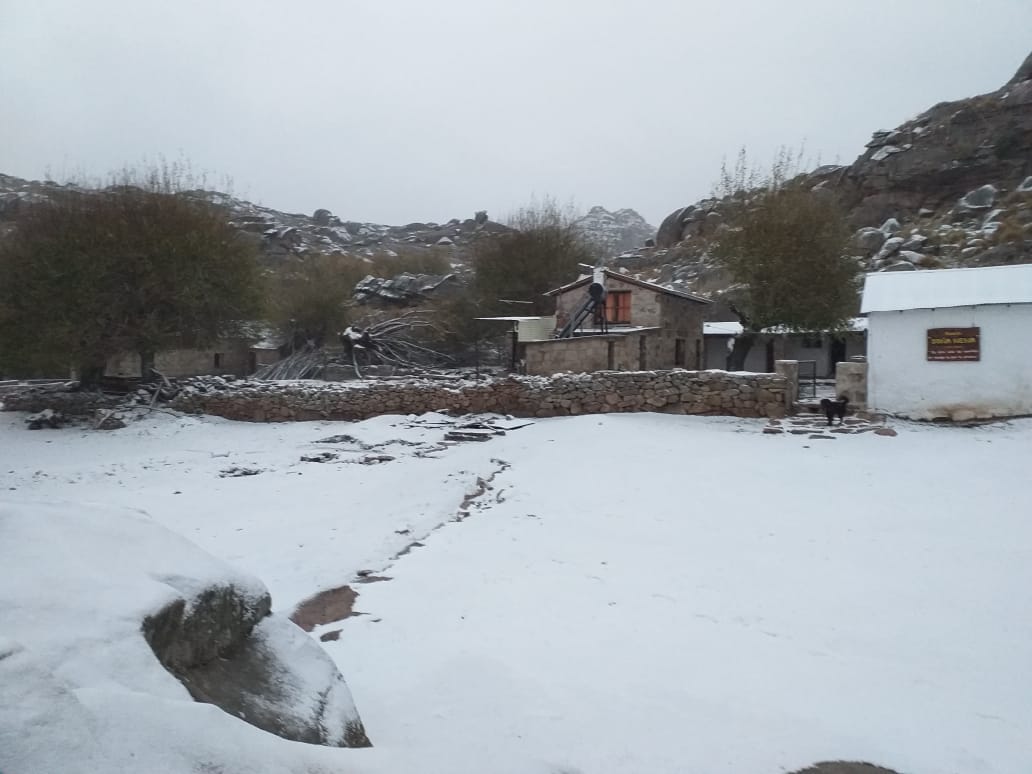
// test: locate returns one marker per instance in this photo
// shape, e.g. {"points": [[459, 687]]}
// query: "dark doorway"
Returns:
{"points": [[838, 353], [643, 352], [679, 348], [770, 356]]}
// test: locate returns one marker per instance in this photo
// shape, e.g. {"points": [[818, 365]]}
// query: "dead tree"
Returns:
{"points": [[394, 342]]}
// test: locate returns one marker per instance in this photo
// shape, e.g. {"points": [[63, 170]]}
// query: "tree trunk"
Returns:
{"points": [[147, 366], [743, 343]]}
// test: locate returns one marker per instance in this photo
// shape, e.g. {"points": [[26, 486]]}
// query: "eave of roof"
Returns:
{"points": [[631, 281], [947, 288]]}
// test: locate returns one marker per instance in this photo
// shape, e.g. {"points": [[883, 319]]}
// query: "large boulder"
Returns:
{"points": [[669, 233], [869, 240], [127, 648], [228, 651]]}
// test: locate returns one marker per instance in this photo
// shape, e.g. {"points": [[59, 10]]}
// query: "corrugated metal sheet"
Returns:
{"points": [[898, 290], [856, 325], [536, 329]]}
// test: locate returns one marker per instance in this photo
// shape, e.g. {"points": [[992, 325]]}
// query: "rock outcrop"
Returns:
{"points": [[615, 232], [935, 161], [228, 650], [280, 235], [949, 188], [405, 288], [111, 622]]}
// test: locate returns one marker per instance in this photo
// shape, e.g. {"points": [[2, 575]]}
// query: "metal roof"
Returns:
{"points": [[940, 288], [732, 328], [631, 281]]}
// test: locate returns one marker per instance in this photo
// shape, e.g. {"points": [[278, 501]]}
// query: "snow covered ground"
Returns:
{"points": [[629, 593]]}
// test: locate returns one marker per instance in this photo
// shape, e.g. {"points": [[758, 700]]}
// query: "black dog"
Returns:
{"points": [[834, 408]]}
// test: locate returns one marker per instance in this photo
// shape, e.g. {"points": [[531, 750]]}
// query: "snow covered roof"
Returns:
{"points": [[731, 328], [893, 291], [631, 281], [721, 328], [514, 319]]}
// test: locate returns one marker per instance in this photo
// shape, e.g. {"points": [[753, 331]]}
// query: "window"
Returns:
{"points": [[618, 306], [812, 341]]}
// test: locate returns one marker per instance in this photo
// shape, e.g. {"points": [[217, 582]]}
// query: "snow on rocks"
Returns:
{"points": [[981, 198], [888, 249], [869, 240], [891, 227], [77, 585]]}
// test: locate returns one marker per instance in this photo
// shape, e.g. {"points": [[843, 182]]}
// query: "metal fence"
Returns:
{"points": [[807, 378]]}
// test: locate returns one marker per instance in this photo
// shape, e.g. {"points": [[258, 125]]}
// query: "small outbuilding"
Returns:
{"points": [[951, 343], [824, 349], [638, 326]]}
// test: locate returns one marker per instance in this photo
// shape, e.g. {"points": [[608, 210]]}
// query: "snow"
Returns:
{"points": [[941, 288], [628, 593], [732, 328]]}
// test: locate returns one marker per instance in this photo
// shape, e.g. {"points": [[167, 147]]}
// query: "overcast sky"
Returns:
{"points": [[402, 110]]}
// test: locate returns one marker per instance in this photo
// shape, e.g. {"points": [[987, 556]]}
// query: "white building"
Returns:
{"points": [[823, 349], [953, 343]]}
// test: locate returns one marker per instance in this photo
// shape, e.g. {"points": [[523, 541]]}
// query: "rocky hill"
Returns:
{"points": [[282, 234], [615, 232], [951, 187]]}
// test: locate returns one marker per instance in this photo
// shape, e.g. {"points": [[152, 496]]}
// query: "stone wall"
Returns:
{"points": [[227, 356], [677, 392], [581, 354]]}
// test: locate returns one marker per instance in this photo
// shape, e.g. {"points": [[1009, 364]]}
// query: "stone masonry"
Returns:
{"points": [[676, 392]]}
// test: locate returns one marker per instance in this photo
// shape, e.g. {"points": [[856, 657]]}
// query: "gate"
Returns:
{"points": [[808, 379]]}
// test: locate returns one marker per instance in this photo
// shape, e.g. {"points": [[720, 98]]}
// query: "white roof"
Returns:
{"points": [[856, 325], [515, 319], [897, 290], [721, 328]]}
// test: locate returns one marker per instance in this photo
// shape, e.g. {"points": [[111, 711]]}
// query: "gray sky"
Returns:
{"points": [[401, 110]]}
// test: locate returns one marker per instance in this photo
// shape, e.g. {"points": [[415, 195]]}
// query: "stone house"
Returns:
{"points": [[641, 326], [238, 355], [950, 343]]}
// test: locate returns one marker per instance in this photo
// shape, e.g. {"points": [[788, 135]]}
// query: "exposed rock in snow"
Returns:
{"points": [[76, 671], [615, 232], [885, 151], [981, 198], [869, 240], [890, 247], [891, 227], [914, 242], [405, 288]]}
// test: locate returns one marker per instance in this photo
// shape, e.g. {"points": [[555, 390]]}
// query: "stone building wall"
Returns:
{"points": [[682, 319], [234, 357], [646, 305], [583, 354], [677, 391]]}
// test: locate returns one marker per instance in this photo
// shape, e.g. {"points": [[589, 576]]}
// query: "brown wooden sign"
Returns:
{"points": [[954, 344]]}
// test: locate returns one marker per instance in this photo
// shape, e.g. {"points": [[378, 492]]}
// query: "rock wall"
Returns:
{"points": [[584, 354], [677, 392]]}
